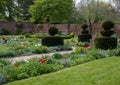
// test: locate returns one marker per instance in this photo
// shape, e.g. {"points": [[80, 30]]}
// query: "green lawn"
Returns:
{"points": [[99, 72]]}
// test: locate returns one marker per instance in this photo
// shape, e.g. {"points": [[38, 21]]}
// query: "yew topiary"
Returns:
{"points": [[53, 31], [84, 36], [84, 26], [107, 25], [106, 41]]}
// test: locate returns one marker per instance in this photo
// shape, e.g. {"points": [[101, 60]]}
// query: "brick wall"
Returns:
{"points": [[30, 27]]}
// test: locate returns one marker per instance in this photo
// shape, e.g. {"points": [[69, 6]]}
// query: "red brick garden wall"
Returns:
{"points": [[30, 27]]}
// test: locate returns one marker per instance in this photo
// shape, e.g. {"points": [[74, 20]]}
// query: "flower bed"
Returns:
{"points": [[47, 64], [18, 45]]}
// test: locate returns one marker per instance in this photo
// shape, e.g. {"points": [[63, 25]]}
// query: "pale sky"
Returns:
{"points": [[101, 0]]}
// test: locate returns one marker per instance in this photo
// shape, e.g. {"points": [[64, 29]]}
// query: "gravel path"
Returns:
{"points": [[20, 58]]}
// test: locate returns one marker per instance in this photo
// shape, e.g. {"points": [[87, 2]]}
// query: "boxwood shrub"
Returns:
{"points": [[107, 33], [52, 41], [84, 37], [105, 42]]}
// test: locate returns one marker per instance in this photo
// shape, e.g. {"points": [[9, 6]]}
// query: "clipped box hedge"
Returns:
{"points": [[52, 41], [105, 42], [84, 38]]}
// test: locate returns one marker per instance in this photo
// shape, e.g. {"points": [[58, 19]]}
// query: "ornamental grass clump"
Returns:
{"points": [[105, 41]]}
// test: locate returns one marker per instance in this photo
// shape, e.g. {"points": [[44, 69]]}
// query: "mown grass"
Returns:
{"points": [[99, 72]]}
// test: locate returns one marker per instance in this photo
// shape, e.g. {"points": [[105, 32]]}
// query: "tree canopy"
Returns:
{"points": [[95, 11], [57, 10]]}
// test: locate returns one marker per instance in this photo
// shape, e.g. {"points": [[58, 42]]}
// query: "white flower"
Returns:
{"points": [[26, 61], [37, 45]]}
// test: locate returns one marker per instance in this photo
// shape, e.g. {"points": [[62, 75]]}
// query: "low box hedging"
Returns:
{"points": [[105, 42], [52, 41], [84, 37], [66, 36]]}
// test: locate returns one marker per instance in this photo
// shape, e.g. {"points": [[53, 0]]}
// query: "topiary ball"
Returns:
{"points": [[53, 31], [107, 25], [84, 26]]}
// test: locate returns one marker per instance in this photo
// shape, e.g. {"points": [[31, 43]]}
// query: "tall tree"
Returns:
{"points": [[94, 11], [57, 10], [22, 9], [116, 4], [7, 8]]}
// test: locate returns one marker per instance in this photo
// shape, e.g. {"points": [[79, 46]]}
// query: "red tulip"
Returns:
{"points": [[42, 60]]}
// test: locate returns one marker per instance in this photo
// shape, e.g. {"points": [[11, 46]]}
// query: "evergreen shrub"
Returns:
{"points": [[52, 41], [53, 31], [84, 37], [105, 42], [107, 33], [107, 25]]}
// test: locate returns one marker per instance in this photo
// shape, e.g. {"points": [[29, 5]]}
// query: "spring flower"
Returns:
{"points": [[67, 41], [85, 46], [37, 45], [26, 61], [4, 37], [15, 65], [42, 60], [26, 42], [71, 33]]}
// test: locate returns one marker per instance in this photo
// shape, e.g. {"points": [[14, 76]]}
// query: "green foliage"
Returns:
{"points": [[2, 79], [57, 55], [92, 11], [3, 63], [79, 50], [65, 47], [105, 42], [40, 49], [35, 66], [7, 53], [52, 41], [4, 31], [66, 36], [53, 31], [84, 37], [57, 10], [107, 25], [8, 6], [79, 75], [107, 33]]}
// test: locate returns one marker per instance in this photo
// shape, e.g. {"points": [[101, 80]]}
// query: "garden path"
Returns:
{"points": [[20, 58]]}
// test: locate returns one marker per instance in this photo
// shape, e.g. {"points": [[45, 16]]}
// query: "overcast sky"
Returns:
{"points": [[101, 0]]}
